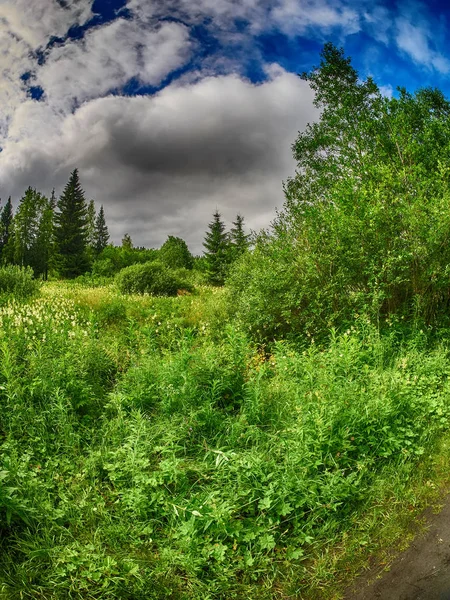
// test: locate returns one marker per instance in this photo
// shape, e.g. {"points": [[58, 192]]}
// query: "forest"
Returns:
{"points": [[258, 422]]}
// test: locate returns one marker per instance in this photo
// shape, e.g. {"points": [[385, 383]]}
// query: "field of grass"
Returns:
{"points": [[149, 450]]}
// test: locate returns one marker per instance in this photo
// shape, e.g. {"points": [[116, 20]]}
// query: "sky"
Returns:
{"points": [[171, 109]]}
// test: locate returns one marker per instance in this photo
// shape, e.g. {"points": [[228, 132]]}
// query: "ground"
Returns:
{"points": [[422, 572]]}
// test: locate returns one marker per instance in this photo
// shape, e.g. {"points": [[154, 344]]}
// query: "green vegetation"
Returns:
{"points": [[148, 449], [255, 440], [17, 282], [148, 278]]}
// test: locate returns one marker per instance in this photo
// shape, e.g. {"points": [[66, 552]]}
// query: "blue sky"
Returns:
{"points": [[171, 109]]}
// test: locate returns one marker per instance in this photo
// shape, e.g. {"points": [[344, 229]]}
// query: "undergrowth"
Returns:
{"points": [[148, 450]]}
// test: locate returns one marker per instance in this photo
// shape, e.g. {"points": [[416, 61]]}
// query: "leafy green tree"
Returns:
{"points": [[216, 253], [45, 239], [6, 226], [101, 233], [70, 229], [366, 222], [239, 240], [175, 253], [26, 226], [90, 230]]}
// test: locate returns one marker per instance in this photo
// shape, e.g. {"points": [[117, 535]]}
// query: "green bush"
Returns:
{"points": [[175, 253], [149, 278], [18, 282]]}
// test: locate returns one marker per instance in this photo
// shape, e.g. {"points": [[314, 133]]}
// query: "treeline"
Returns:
{"points": [[63, 236], [68, 238]]}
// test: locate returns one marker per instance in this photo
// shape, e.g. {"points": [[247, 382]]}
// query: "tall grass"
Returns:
{"points": [[148, 453]]}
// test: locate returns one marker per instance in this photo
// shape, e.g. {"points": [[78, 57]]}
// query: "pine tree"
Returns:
{"points": [[6, 227], [101, 233], [70, 230], [238, 239], [216, 253]]}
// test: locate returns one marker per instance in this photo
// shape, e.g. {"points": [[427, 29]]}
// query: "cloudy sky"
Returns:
{"points": [[173, 108]]}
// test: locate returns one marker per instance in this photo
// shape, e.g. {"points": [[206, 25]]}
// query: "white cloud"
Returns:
{"points": [[295, 17], [416, 42], [26, 26], [108, 57], [161, 165], [289, 16]]}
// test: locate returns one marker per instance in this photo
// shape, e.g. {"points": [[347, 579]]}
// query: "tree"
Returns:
{"points": [[45, 239], [366, 222], [127, 243], [175, 253], [238, 238], [70, 230], [216, 250], [26, 225], [6, 226], [90, 230], [101, 234]]}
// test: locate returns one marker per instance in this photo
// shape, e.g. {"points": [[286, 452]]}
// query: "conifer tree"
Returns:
{"points": [[238, 238], [101, 233], [216, 250], [70, 229], [127, 243], [6, 221]]}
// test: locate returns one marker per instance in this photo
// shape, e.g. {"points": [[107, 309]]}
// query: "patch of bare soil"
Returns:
{"points": [[422, 572]]}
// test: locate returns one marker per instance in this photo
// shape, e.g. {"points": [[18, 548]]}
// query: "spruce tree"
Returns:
{"points": [[6, 221], [101, 233], [70, 230], [216, 250], [238, 238]]}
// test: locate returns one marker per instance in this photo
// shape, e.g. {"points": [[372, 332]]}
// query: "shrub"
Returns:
{"points": [[175, 253], [149, 278], [18, 281]]}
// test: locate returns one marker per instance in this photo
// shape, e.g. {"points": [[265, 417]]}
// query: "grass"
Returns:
{"points": [[150, 450]]}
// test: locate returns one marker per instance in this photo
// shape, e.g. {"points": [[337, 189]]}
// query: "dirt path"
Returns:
{"points": [[420, 573]]}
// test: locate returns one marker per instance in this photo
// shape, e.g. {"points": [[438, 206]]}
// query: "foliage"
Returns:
{"points": [[175, 253], [26, 228], [138, 454], [148, 278], [127, 243], [17, 282], [366, 222], [112, 259], [70, 230], [90, 227], [6, 226], [216, 250], [101, 233], [239, 240]]}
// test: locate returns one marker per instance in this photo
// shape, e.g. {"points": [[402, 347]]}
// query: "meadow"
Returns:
{"points": [[150, 449]]}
